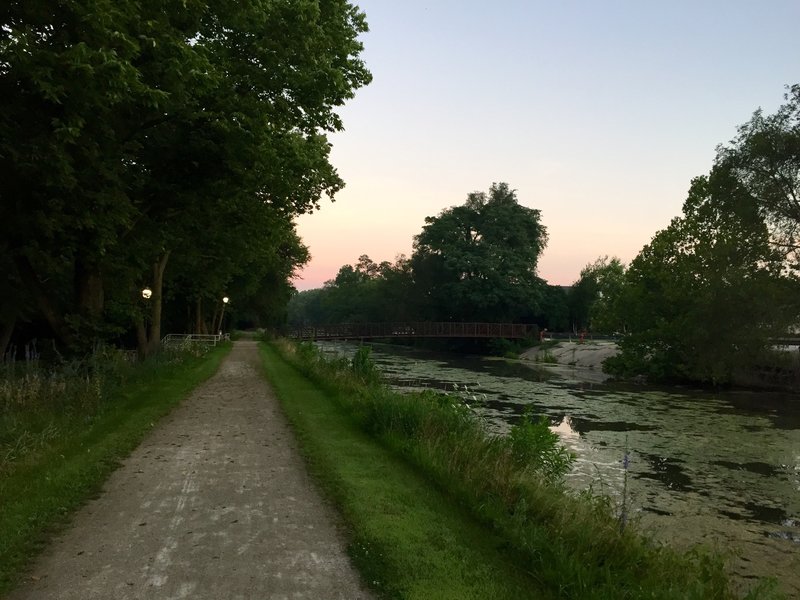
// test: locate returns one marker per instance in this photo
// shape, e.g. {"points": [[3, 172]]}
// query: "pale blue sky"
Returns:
{"points": [[598, 113]]}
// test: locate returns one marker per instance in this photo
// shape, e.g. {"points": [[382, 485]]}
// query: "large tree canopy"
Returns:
{"points": [[765, 159], [132, 134], [592, 298], [704, 297], [475, 262], [478, 261]]}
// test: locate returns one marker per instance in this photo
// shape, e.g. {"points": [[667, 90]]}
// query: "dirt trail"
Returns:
{"points": [[214, 504]]}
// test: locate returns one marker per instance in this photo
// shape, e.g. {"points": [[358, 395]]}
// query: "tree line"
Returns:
{"points": [[475, 262], [706, 297], [166, 146], [702, 301]]}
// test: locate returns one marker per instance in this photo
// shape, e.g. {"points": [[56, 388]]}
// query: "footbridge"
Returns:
{"points": [[423, 329]]}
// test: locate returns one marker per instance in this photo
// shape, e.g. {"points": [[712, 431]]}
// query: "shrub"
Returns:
{"points": [[534, 447]]}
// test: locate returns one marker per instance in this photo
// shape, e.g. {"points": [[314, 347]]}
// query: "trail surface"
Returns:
{"points": [[215, 504]]}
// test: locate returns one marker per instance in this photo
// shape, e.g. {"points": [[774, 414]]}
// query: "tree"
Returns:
{"points": [[553, 309], [477, 262], [704, 297], [364, 292], [593, 297], [127, 129], [306, 308], [765, 159]]}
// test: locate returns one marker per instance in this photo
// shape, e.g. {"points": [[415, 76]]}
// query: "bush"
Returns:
{"points": [[363, 367], [538, 449]]}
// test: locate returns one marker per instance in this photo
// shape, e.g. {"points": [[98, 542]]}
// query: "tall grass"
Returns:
{"points": [[64, 428], [571, 544], [41, 403]]}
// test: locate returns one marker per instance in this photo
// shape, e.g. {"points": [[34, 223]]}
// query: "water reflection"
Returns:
{"points": [[720, 469]]}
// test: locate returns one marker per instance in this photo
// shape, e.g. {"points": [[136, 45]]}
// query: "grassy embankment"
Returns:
{"points": [[437, 509], [62, 433]]}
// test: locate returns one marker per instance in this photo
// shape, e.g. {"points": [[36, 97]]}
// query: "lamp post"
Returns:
{"points": [[141, 325], [225, 301]]}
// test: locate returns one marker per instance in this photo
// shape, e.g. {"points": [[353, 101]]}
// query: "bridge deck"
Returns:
{"points": [[421, 329]]}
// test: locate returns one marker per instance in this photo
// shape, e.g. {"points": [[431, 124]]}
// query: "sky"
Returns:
{"points": [[598, 113]]}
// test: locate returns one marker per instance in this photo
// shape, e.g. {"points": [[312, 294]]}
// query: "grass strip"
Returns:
{"points": [[409, 540], [38, 495]]}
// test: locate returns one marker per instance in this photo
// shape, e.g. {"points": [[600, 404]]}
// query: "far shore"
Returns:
{"points": [[587, 354]]}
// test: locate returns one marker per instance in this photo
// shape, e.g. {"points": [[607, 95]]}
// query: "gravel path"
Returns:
{"points": [[215, 504]]}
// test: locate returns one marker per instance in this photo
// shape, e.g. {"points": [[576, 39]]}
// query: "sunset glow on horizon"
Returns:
{"points": [[599, 116]]}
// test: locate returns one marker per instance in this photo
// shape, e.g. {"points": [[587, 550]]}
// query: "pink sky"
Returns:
{"points": [[597, 117]]}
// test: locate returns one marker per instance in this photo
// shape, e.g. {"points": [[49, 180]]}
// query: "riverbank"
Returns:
{"points": [[571, 546], [587, 355], [407, 537]]}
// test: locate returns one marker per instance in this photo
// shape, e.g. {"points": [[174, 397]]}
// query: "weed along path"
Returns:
{"points": [[216, 503]]}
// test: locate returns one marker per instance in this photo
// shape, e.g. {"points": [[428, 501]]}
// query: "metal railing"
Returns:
{"points": [[194, 338], [418, 329]]}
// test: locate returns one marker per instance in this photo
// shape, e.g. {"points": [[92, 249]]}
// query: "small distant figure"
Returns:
{"points": [[583, 336], [542, 334]]}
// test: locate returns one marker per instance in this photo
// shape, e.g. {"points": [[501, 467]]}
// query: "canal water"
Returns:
{"points": [[721, 470]]}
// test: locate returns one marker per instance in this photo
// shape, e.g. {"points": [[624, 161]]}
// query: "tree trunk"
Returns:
{"points": [[52, 315], [199, 325], [157, 300], [89, 289], [141, 339], [214, 320], [6, 330]]}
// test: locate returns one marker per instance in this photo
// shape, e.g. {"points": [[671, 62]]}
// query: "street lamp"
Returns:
{"points": [[146, 293], [225, 301]]}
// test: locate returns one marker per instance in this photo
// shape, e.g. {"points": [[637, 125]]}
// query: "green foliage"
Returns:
{"points": [[535, 447], [703, 299], [545, 356], [765, 159], [360, 293], [593, 298], [39, 404], [363, 367], [408, 539], [125, 148], [477, 261], [512, 348], [503, 347], [554, 310]]}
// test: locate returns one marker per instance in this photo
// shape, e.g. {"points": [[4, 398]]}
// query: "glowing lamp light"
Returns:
{"points": [[226, 299], [146, 293]]}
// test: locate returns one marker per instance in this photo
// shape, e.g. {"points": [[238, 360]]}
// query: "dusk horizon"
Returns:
{"points": [[598, 117]]}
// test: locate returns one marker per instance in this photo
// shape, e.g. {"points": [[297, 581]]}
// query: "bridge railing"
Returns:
{"points": [[414, 329]]}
